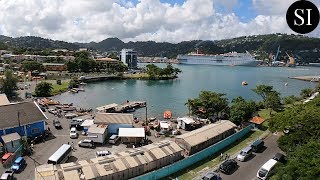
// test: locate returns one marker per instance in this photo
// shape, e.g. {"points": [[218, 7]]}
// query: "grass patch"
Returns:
{"points": [[214, 160], [57, 89]]}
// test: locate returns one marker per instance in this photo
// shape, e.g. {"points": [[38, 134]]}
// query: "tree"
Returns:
{"points": [[262, 90], [273, 101], [30, 65], [241, 110], [43, 89], [208, 104], [9, 84], [72, 66], [306, 92], [290, 99]]}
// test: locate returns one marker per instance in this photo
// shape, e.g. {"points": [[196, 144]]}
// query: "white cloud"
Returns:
{"points": [[85, 21]]}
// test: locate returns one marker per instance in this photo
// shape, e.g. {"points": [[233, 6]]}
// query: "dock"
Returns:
{"points": [[307, 78], [129, 106]]}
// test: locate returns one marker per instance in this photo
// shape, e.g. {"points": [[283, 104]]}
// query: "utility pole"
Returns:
{"points": [[146, 114]]}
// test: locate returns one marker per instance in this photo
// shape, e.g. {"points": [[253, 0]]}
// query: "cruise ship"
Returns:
{"points": [[227, 59]]}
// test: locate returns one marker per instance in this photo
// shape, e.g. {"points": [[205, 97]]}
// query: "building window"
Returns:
{"points": [[35, 130]]}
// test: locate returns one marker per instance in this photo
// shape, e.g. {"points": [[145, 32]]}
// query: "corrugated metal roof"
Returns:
{"points": [[97, 129], [210, 131], [28, 112], [186, 120], [131, 132], [113, 118], [10, 137]]}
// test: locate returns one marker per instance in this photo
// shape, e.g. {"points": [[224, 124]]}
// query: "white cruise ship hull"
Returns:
{"points": [[238, 59]]}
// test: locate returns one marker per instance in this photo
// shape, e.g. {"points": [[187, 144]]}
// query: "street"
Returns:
{"points": [[247, 170]]}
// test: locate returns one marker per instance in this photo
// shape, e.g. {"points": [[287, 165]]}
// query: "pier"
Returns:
{"points": [[128, 106], [307, 78]]}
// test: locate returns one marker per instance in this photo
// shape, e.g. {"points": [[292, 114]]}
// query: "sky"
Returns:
{"points": [[144, 20]]}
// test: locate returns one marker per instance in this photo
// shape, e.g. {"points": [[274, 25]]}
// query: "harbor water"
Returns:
{"points": [[172, 94]]}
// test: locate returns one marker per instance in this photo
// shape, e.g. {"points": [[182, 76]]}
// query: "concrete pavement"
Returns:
{"points": [[247, 170]]}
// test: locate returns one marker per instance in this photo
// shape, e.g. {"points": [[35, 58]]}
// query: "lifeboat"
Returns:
{"points": [[167, 115], [244, 83]]}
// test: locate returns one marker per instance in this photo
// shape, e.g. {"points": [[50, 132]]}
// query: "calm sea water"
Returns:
{"points": [[172, 94]]}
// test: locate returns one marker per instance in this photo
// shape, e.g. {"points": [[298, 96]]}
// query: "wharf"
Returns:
{"points": [[307, 78], [98, 78], [125, 107]]}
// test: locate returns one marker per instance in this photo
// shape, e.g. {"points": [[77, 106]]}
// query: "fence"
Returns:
{"points": [[182, 164], [7, 164]]}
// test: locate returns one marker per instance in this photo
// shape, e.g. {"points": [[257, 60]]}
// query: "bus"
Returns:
{"points": [[61, 155]]}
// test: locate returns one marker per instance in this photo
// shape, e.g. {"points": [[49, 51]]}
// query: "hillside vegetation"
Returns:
{"points": [[304, 48]]}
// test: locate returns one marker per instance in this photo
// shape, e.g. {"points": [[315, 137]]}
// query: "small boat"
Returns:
{"points": [[167, 115], [130, 110], [80, 89], [286, 84], [152, 119], [73, 90], [83, 83], [244, 83]]}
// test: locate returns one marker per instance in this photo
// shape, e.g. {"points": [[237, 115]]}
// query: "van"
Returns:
{"points": [[102, 153], [266, 168], [245, 153], [257, 145], [114, 139]]}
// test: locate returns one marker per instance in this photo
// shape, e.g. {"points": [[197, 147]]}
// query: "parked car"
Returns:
{"points": [[86, 143], [114, 139], [228, 166], [245, 153], [7, 175], [5, 157], [57, 124], [102, 153], [265, 169], [73, 133], [211, 176], [257, 145], [18, 164], [279, 157]]}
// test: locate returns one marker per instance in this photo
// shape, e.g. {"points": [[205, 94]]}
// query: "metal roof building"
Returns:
{"points": [[113, 118], [122, 165], [206, 136]]}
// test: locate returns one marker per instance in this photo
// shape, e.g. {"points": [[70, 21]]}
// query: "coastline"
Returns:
{"points": [[307, 78]]}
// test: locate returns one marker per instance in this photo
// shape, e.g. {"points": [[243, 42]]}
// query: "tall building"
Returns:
{"points": [[129, 58]]}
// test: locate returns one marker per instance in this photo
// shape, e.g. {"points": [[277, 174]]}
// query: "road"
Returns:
{"points": [[248, 170]]}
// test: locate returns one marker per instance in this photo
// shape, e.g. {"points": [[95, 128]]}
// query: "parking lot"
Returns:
{"points": [[248, 169]]}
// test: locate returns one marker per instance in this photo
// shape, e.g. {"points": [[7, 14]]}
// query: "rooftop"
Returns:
{"points": [[97, 128], [10, 137], [210, 131], [187, 120], [257, 120], [113, 118], [131, 132], [25, 112], [4, 100]]}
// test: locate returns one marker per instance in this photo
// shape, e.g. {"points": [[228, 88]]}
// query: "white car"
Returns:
{"points": [[73, 133]]}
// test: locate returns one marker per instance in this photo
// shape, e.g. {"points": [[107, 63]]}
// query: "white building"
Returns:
{"points": [[131, 135], [185, 123], [98, 133], [129, 58]]}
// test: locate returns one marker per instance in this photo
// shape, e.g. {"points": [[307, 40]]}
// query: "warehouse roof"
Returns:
{"points": [[131, 132], [210, 131], [113, 118], [25, 112], [97, 128], [10, 137]]}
